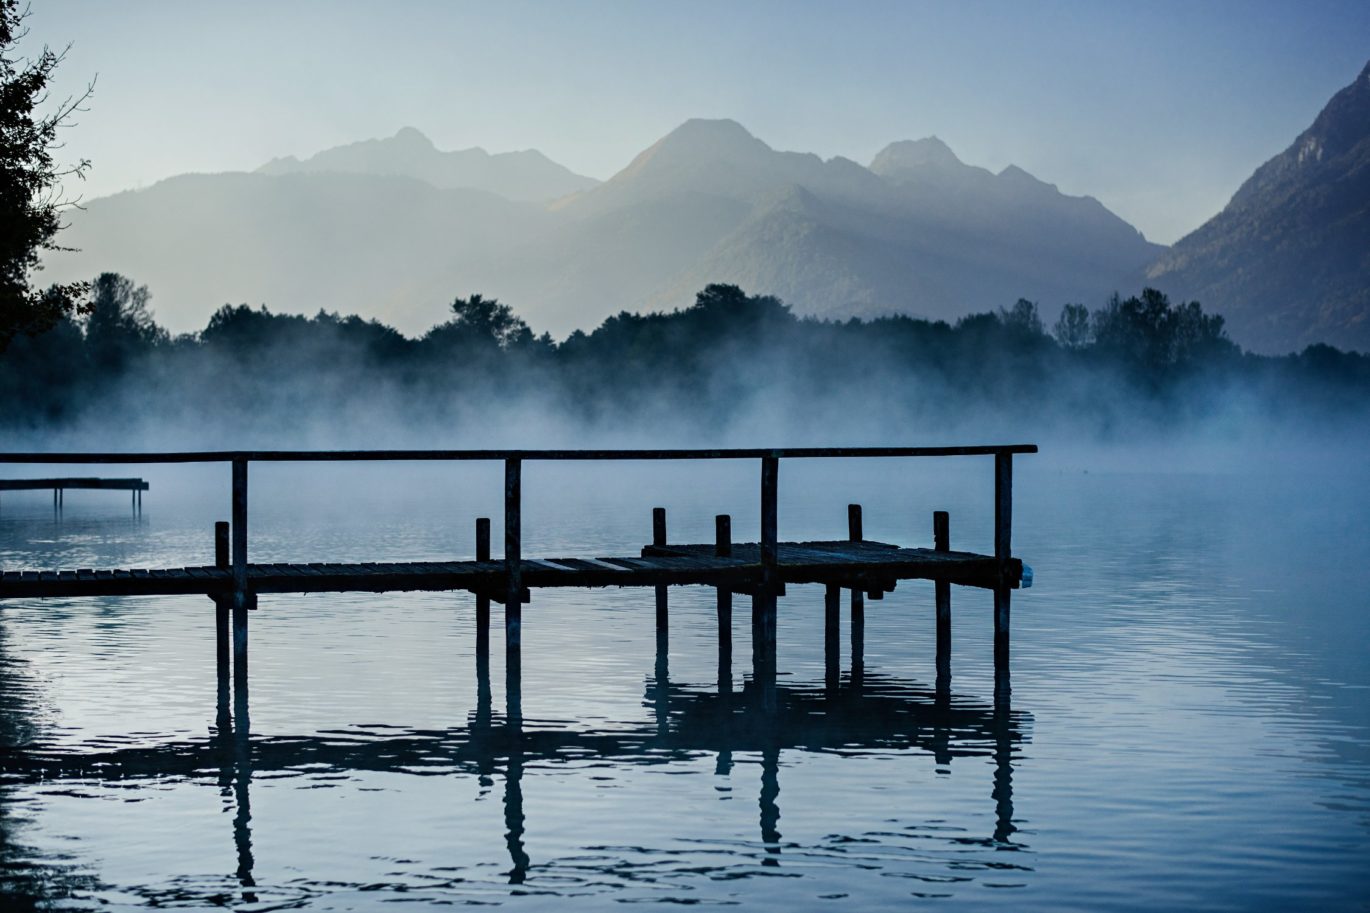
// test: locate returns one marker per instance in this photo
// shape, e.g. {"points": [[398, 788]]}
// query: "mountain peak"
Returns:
{"points": [[910, 154], [702, 136], [412, 137]]}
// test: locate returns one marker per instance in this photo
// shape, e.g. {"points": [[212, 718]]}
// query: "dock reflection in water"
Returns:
{"points": [[857, 713]]}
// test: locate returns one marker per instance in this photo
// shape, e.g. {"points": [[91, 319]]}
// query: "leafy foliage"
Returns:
{"points": [[30, 183]]}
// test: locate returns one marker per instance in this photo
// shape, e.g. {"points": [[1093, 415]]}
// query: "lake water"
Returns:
{"points": [[1189, 725]]}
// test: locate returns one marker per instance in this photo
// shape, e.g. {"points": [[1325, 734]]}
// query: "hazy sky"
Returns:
{"points": [[1159, 109]]}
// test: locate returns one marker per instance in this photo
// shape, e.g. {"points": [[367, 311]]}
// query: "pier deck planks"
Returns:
{"points": [[863, 564]]}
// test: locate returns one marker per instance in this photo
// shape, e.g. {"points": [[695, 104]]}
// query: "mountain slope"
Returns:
{"points": [[528, 175], [1288, 260]]}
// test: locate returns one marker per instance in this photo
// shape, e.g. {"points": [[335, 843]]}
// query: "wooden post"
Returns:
{"points": [[858, 603], [239, 558], [770, 485], [513, 552], [222, 603], [482, 600], [854, 522], [723, 548], [659, 538], [763, 603], [832, 639], [513, 605], [1003, 535], [941, 541]]}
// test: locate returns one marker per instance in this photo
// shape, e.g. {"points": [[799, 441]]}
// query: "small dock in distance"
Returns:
{"points": [[59, 487]]}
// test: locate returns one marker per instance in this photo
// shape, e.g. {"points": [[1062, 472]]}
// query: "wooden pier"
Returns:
{"points": [[760, 570], [59, 487]]}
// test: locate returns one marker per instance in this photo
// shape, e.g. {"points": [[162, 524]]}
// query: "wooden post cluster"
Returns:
{"points": [[869, 574]]}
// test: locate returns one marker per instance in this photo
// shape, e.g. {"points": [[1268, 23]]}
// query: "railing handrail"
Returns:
{"points": [[331, 456]]}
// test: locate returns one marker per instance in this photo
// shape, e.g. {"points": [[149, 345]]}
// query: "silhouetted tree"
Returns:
{"points": [[30, 202], [1072, 327], [1022, 319], [481, 321], [119, 326]]}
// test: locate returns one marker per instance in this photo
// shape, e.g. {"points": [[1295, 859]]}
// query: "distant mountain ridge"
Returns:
{"points": [[1287, 261], [395, 228], [527, 175]]}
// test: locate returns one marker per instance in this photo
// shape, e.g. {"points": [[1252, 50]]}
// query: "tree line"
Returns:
{"points": [[728, 353]]}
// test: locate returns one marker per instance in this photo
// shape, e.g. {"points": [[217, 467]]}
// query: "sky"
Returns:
{"points": [[1158, 109]]}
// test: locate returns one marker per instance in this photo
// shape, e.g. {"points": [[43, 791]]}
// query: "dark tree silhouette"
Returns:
{"points": [[119, 327], [1072, 327], [30, 183]]}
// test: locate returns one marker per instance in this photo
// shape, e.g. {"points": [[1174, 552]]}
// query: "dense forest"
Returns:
{"points": [[732, 365]]}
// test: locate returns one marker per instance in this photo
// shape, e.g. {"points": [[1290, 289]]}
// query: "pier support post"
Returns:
{"points": [[858, 604], [659, 538], [482, 600], [723, 548], [513, 605], [941, 541], [1003, 550], [222, 603], [764, 602], [832, 639], [239, 557], [222, 606]]}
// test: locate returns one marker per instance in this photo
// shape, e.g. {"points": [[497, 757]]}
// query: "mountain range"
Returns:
{"points": [[395, 228]]}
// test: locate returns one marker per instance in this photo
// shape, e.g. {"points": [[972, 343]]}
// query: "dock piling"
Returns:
{"points": [[513, 605], [239, 558], [659, 538], [483, 600], [723, 548], [764, 602], [222, 604], [858, 603], [941, 542], [832, 639], [513, 552], [1003, 532]]}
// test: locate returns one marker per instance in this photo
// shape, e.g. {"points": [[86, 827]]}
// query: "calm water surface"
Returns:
{"points": [[1188, 727]]}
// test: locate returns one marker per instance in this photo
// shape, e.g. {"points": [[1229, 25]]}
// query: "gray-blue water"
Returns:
{"points": [[1189, 726]]}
